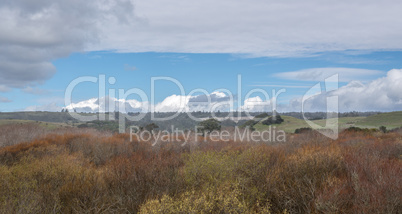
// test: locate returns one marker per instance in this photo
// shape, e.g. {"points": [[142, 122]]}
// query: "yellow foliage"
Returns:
{"points": [[224, 200]]}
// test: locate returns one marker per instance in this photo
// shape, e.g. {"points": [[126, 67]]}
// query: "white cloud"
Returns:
{"points": [[255, 104], [216, 101], [35, 33], [90, 105], [173, 103], [383, 94], [258, 27], [106, 104], [320, 74]]}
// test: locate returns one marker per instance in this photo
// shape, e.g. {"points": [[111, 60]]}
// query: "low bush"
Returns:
{"points": [[13, 134], [142, 176], [301, 130], [295, 181], [227, 199], [92, 172], [63, 183], [363, 130]]}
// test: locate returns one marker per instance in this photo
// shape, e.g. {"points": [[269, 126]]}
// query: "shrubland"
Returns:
{"points": [[87, 171]]}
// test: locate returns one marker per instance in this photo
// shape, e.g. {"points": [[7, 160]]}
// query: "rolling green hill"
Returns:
{"points": [[48, 125], [56, 119], [390, 120], [289, 125]]}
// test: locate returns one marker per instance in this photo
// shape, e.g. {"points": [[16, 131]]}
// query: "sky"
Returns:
{"points": [[192, 55]]}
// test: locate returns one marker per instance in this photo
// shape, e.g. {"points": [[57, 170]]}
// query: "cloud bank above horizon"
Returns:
{"points": [[34, 34], [382, 94]]}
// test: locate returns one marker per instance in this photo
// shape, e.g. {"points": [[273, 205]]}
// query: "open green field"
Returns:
{"points": [[290, 124], [390, 120], [52, 120], [5, 122], [47, 125]]}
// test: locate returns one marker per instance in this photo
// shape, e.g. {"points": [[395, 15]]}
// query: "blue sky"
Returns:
{"points": [[207, 71], [203, 45]]}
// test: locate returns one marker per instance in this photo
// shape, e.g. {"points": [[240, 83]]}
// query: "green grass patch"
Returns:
{"points": [[46, 125], [390, 120], [290, 124]]}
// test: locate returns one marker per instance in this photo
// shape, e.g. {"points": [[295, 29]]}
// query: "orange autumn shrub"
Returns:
{"points": [[81, 171]]}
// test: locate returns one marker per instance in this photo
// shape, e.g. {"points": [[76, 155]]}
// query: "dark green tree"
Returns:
{"points": [[383, 129], [209, 125], [250, 124], [303, 130], [150, 127], [273, 120], [263, 115]]}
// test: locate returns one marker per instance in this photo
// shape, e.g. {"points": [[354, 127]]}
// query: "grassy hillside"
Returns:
{"points": [[6, 122], [290, 124], [47, 125], [54, 117], [344, 122], [389, 120]]}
